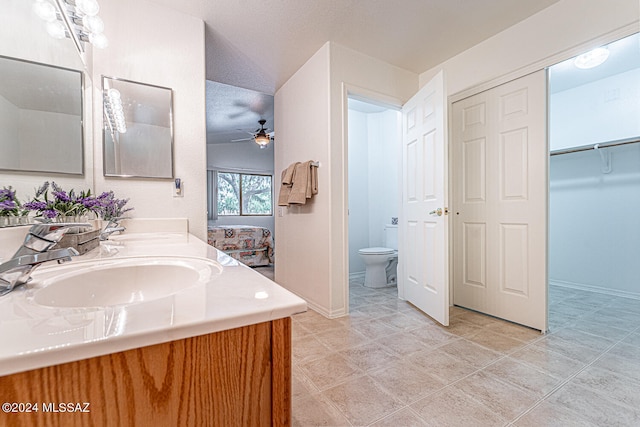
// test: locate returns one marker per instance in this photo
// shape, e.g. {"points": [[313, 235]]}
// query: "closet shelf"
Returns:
{"points": [[596, 146]]}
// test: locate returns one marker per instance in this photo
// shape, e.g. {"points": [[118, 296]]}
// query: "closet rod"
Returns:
{"points": [[591, 147]]}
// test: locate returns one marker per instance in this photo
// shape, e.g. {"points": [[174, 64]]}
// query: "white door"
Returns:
{"points": [[499, 150], [423, 242]]}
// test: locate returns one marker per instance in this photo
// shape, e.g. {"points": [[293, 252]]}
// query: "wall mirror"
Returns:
{"points": [[23, 35], [40, 118], [137, 130]]}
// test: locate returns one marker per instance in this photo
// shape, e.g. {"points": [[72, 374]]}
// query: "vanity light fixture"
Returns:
{"points": [[45, 10], [592, 58], [75, 19], [114, 111]]}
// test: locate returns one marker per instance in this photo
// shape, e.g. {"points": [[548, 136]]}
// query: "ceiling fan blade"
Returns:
{"points": [[236, 115], [243, 139]]}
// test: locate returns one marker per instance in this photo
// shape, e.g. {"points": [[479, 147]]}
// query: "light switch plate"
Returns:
{"points": [[178, 187]]}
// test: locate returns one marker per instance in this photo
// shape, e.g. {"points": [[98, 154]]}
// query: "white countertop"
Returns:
{"points": [[34, 336]]}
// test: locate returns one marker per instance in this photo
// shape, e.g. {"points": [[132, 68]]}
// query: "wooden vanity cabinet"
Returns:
{"points": [[240, 377]]}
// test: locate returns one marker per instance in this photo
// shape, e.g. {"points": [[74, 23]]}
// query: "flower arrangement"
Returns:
{"points": [[9, 205], [58, 203], [112, 208], [52, 203]]}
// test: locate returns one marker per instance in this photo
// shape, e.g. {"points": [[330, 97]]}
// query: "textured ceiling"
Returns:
{"points": [[259, 44], [233, 112]]}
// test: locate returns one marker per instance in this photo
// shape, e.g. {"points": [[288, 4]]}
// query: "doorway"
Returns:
{"points": [[594, 181], [374, 136]]}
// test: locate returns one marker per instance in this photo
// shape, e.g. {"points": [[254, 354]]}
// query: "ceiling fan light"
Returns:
{"points": [[592, 58], [262, 140]]}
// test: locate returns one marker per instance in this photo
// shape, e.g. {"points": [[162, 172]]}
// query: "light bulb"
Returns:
{"points": [[114, 93], [592, 58], [88, 7], [93, 23], [98, 40], [45, 10], [56, 29]]}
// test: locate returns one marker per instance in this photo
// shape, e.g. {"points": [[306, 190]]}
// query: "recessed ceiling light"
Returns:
{"points": [[592, 58]]}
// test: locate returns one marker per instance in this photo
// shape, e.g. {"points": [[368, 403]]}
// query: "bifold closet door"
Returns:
{"points": [[500, 157]]}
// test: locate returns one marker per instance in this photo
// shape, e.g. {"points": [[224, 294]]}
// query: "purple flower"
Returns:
{"points": [[61, 196], [56, 187], [49, 213], [35, 206], [43, 189], [6, 193], [7, 205]]}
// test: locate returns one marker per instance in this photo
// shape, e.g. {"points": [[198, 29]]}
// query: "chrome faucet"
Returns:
{"points": [[36, 249], [113, 226]]}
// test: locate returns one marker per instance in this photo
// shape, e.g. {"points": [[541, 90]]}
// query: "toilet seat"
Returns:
{"points": [[377, 251]]}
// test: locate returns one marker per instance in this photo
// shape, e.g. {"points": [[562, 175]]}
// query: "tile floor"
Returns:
{"points": [[386, 364]]}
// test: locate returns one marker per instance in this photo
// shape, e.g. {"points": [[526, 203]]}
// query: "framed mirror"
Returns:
{"points": [[138, 129], [41, 128]]}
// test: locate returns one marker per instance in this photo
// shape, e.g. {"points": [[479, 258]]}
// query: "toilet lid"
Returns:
{"points": [[376, 251]]}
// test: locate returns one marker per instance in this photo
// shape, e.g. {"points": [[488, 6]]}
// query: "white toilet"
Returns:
{"points": [[381, 263]]}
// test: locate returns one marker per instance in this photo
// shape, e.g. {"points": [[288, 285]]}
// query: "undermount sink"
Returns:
{"points": [[125, 281]]}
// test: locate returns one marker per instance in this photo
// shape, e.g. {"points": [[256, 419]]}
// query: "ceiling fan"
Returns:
{"points": [[260, 136]]}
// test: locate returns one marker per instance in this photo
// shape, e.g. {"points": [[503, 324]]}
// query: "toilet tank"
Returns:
{"points": [[391, 236]]}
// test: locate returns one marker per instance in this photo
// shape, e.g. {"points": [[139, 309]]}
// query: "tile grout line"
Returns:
{"points": [[566, 325], [480, 369], [571, 377]]}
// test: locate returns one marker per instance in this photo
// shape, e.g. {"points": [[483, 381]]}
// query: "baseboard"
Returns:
{"points": [[356, 276], [597, 289], [323, 311]]}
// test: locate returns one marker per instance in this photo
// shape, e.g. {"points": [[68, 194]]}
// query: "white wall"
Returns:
{"points": [[312, 240], [594, 227], [601, 111], [244, 156], [303, 252], [385, 142], [358, 189], [558, 28], [374, 149], [156, 45]]}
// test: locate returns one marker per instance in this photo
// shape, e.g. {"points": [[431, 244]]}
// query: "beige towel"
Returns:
{"points": [[298, 195], [285, 190], [288, 174]]}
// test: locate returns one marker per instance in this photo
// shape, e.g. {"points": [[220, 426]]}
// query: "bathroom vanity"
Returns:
{"points": [[149, 329]]}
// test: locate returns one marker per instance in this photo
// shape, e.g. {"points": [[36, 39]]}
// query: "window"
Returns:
{"points": [[243, 194]]}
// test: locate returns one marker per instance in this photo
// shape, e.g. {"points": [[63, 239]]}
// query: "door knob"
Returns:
{"points": [[437, 212]]}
